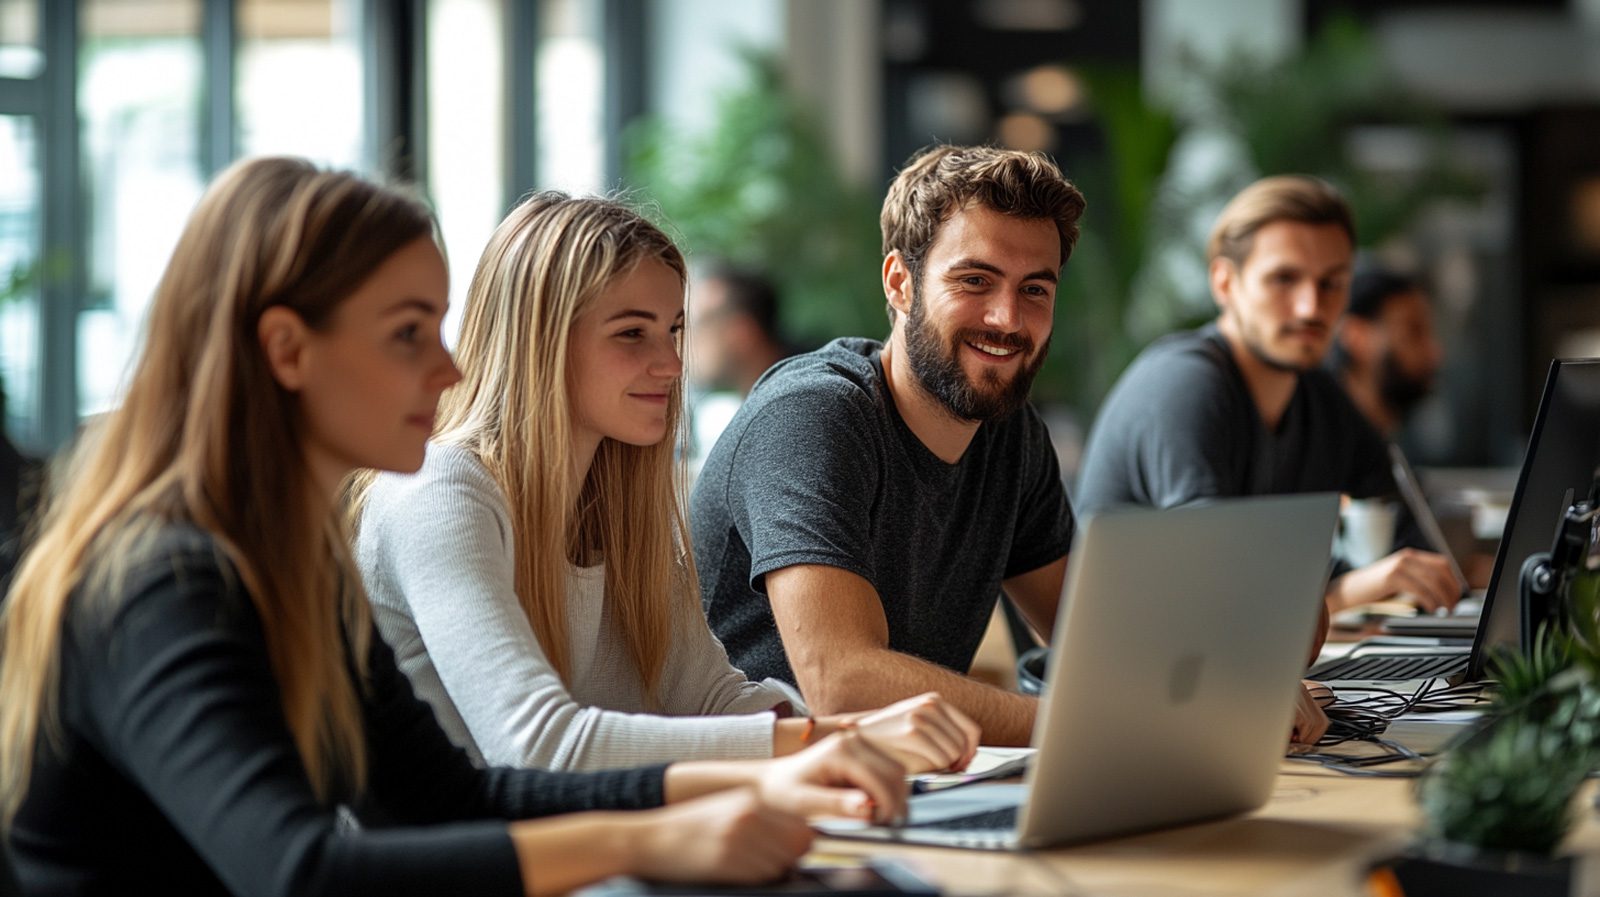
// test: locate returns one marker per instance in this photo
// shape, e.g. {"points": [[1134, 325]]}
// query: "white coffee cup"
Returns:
{"points": [[1367, 531]]}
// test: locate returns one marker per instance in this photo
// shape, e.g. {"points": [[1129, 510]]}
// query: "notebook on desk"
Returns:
{"points": [[1178, 648]]}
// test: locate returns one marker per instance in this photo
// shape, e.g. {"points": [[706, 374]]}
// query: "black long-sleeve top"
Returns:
{"points": [[178, 773]]}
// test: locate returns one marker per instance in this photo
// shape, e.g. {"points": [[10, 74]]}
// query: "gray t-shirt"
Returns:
{"points": [[819, 468], [1180, 426]]}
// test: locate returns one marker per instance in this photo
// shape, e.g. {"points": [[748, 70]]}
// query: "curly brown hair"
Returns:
{"points": [[941, 180]]}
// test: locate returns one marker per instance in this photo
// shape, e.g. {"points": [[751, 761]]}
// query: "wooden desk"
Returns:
{"points": [[1313, 838]]}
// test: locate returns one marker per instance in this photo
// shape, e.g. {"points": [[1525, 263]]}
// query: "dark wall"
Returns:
{"points": [[932, 39]]}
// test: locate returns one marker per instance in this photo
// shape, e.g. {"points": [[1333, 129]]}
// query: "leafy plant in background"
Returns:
{"points": [[761, 188], [1093, 340], [17, 281], [1293, 116]]}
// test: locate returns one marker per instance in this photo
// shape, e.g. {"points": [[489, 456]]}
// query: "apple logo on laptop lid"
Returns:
{"points": [[1183, 682]]}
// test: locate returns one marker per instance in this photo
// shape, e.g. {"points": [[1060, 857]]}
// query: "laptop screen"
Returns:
{"points": [[1563, 452]]}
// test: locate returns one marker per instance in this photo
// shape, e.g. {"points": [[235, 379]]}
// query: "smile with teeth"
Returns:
{"points": [[991, 349]]}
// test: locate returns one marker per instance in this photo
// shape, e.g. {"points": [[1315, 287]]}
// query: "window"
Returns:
{"points": [[162, 93], [20, 56], [19, 274], [300, 80], [466, 133], [571, 96], [139, 104]]}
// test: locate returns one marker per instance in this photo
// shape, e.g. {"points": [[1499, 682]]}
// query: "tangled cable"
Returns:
{"points": [[1366, 718]]}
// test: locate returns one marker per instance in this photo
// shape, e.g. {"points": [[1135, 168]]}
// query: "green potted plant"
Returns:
{"points": [[1497, 806]]}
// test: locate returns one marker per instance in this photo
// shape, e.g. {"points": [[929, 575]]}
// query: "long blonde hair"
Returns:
{"points": [[207, 436], [544, 265]]}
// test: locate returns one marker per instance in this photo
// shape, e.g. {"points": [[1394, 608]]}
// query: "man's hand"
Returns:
{"points": [[837, 638], [1309, 721], [1424, 575]]}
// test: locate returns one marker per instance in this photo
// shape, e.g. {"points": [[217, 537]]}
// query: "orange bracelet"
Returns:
{"points": [[811, 726]]}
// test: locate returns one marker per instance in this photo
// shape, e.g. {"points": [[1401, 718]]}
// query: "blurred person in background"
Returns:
{"points": [[734, 330], [19, 483], [734, 336], [1244, 406], [1386, 354]]}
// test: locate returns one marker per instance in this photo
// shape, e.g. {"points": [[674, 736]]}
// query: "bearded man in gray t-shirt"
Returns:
{"points": [[862, 512]]}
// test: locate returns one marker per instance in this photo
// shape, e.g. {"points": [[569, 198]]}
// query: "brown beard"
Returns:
{"points": [[938, 368]]}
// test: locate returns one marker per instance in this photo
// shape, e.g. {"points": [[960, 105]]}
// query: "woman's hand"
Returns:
{"points": [[842, 775], [925, 733], [731, 837], [754, 834]]}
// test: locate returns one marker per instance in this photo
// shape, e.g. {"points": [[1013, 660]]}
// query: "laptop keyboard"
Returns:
{"points": [[989, 820], [1393, 666]]}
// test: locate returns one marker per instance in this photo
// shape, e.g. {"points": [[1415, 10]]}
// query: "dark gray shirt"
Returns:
{"points": [[819, 468], [1181, 426]]}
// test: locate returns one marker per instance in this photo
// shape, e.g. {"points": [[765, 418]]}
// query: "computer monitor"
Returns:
{"points": [[1563, 452]]}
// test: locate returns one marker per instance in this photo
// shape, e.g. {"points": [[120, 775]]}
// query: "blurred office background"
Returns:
{"points": [[1467, 132]]}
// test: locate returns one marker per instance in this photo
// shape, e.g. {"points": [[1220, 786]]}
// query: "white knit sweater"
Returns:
{"points": [[435, 553]]}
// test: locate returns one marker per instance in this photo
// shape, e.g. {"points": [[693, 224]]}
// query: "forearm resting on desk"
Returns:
{"points": [[839, 651], [868, 678]]}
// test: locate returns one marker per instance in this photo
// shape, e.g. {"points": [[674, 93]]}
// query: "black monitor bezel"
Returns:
{"points": [[1477, 661]]}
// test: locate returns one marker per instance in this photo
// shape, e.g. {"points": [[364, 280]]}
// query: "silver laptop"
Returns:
{"points": [[1177, 659], [1405, 667], [1462, 621]]}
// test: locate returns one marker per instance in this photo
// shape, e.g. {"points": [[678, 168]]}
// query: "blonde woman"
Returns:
{"points": [[192, 688], [532, 578]]}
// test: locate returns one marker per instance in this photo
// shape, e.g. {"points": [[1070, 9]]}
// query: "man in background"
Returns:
{"points": [[1386, 354], [734, 336], [734, 333], [1244, 406]]}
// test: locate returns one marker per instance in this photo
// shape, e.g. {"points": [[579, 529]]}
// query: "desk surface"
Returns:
{"points": [[1313, 837]]}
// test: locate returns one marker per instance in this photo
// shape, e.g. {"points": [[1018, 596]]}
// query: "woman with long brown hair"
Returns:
{"points": [[533, 577], [192, 699]]}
